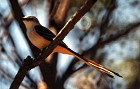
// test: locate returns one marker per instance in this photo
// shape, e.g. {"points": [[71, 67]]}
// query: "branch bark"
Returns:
{"points": [[21, 73]]}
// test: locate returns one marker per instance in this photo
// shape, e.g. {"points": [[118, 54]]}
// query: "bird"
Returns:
{"points": [[41, 37]]}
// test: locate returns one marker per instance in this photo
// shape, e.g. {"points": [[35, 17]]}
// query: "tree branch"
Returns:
{"points": [[121, 33], [17, 12], [21, 73], [105, 21], [10, 77], [45, 53], [124, 32]]}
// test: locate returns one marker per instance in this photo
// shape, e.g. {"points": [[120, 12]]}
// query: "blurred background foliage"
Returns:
{"points": [[109, 34]]}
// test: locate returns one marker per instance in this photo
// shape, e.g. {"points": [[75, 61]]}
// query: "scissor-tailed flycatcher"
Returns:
{"points": [[41, 37]]}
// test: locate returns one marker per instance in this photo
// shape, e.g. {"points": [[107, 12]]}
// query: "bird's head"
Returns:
{"points": [[30, 21]]}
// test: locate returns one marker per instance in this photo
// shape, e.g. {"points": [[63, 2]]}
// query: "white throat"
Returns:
{"points": [[30, 25]]}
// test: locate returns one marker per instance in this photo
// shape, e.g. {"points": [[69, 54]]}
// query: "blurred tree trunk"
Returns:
{"points": [[58, 10]]}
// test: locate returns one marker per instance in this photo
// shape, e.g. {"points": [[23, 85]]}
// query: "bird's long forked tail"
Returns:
{"points": [[93, 64]]}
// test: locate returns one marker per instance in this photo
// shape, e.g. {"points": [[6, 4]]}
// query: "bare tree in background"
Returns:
{"points": [[58, 13]]}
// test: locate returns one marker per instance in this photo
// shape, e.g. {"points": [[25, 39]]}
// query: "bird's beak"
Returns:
{"points": [[23, 18]]}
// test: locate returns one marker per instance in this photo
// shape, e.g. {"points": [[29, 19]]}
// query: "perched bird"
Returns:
{"points": [[41, 37]]}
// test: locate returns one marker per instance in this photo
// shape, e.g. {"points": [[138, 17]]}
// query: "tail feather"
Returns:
{"points": [[104, 68], [93, 64], [108, 73]]}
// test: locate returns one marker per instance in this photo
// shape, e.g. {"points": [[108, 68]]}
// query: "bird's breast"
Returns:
{"points": [[37, 40]]}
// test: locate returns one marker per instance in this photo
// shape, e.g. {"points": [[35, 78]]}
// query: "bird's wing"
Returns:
{"points": [[47, 34], [44, 32]]}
